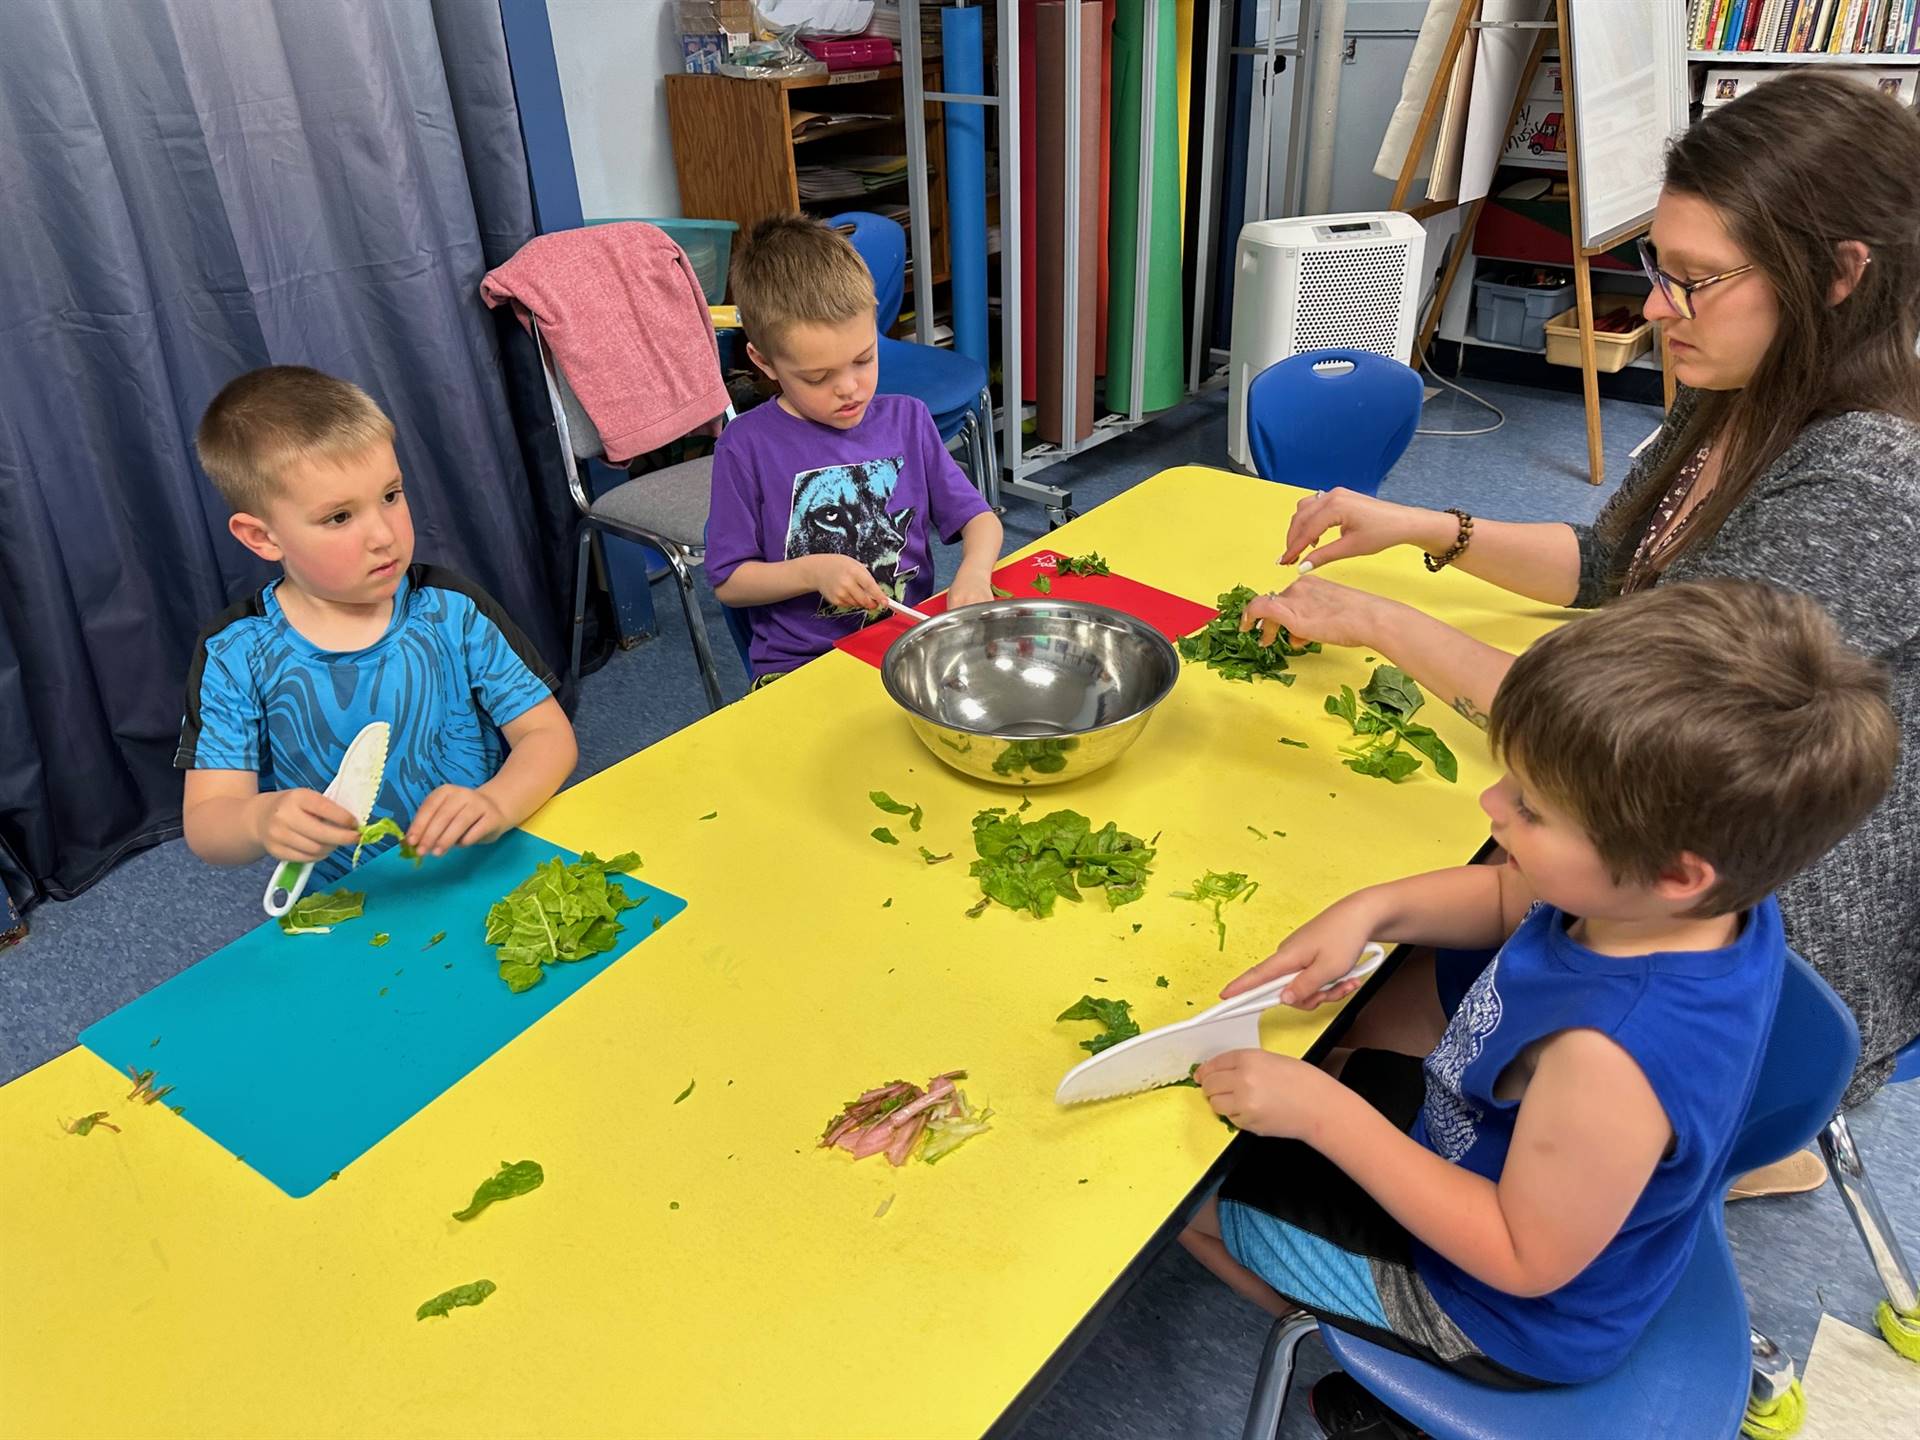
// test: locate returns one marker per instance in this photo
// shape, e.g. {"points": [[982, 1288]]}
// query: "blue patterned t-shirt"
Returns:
{"points": [[448, 674]]}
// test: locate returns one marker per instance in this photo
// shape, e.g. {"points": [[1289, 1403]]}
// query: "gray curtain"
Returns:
{"points": [[190, 189]]}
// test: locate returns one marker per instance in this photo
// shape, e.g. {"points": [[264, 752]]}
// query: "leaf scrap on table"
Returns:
{"points": [[886, 802], [438, 936], [84, 1125], [378, 830], [1043, 583], [1114, 1016], [143, 1090], [892, 1119], [933, 859], [685, 1093], [1092, 563], [1381, 715], [447, 1301], [1028, 864], [1221, 645], [513, 1178], [1220, 888], [318, 914], [884, 835], [559, 913]]}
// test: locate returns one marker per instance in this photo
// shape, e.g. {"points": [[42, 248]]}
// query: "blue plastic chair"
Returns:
{"points": [[1696, 1359], [1332, 417], [952, 386]]}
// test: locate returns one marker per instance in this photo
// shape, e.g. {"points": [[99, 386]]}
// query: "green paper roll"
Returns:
{"points": [[1163, 385]]}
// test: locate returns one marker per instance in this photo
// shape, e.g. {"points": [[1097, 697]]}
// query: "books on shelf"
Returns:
{"points": [[1805, 27], [850, 176]]}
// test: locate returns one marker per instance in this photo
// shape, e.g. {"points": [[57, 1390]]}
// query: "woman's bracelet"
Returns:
{"points": [[1437, 563]]}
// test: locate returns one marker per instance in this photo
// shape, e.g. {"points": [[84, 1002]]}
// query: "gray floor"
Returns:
{"points": [[1177, 1356]]}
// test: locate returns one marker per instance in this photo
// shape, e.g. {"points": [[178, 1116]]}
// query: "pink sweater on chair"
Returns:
{"points": [[623, 313]]}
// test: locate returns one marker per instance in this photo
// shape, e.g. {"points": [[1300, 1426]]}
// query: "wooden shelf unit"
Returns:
{"points": [[735, 154]]}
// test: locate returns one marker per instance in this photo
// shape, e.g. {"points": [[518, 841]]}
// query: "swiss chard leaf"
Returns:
{"points": [[1092, 563], [515, 1178], [1043, 583], [559, 913], [379, 830], [1394, 765], [317, 914], [449, 1300], [1115, 1018], [1422, 738], [886, 802], [884, 835], [1029, 864], [1221, 646], [1391, 688]]}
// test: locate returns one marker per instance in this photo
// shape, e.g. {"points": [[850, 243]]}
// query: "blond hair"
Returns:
{"points": [[796, 270], [1723, 718], [280, 413]]}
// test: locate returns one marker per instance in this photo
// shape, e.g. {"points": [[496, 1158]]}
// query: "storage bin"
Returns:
{"points": [[1514, 314], [1610, 352], [708, 243]]}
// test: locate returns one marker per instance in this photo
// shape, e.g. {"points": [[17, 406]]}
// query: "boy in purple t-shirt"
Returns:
{"points": [[824, 499]]}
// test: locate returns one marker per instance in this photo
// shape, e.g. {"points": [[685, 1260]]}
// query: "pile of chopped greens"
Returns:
{"points": [[379, 830], [1220, 889], [1092, 563], [318, 914], [1044, 756], [513, 1178], [1382, 716], [1114, 1016], [894, 1117], [1028, 864], [1222, 646], [560, 912]]}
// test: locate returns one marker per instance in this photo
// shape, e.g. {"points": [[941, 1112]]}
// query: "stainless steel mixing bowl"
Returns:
{"points": [[1030, 692]]}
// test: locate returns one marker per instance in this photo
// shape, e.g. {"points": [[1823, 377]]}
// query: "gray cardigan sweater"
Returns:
{"points": [[1838, 518]]}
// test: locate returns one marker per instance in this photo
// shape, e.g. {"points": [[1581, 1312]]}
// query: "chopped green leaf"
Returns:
{"points": [[1381, 715], [1114, 1016], [884, 835], [1222, 646], [886, 802], [1000, 594], [1258, 834], [379, 830], [84, 1125], [1220, 889], [318, 914], [153, 1042], [1297, 744], [1136, 929], [383, 989], [933, 859], [1043, 583], [1161, 981], [448, 1301], [438, 936], [979, 908], [1189, 1079], [673, 1205], [913, 820], [515, 1178], [1029, 864], [951, 1126], [1046, 755], [1093, 563], [559, 913], [379, 939], [684, 1093], [887, 904], [711, 815]]}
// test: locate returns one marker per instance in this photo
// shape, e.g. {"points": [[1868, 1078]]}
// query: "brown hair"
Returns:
{"points": [[1725, 718], [796, 270], [267, 417], [1794, 167]]}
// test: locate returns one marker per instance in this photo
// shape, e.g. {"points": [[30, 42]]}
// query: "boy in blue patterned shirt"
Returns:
{"points": [[352, 632]]}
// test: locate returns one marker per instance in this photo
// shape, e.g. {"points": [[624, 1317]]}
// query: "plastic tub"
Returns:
{"points": [[1515, 314], [708, 243], [1611, 352]]}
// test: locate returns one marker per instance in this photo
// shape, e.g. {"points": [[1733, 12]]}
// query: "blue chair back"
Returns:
{"points": [[883, 245], [1332, 417], [1693, 1359]]}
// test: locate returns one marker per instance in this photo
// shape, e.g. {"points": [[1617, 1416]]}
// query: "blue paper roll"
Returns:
{"points": [[966, 127]]}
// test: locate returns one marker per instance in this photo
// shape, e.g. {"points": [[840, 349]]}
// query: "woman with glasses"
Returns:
{"points": [[1785, 269]]}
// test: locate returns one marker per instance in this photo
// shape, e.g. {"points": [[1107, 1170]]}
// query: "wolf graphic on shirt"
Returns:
{"points": [[842, 510]]}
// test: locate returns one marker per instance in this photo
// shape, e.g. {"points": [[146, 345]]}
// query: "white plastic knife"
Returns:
{"points": [[1167, 1054], [354, 788]]}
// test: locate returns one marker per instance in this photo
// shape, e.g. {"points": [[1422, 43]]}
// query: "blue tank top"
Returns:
{"points": [[1696, 1024]]}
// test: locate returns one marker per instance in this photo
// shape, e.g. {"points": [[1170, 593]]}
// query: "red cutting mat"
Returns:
{"points": [[1172, 615]]}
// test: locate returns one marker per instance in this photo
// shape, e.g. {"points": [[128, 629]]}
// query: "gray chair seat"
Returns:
{"points": [[670, 503]]}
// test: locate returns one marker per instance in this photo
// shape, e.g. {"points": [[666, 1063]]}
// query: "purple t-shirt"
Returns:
{"points": [[784, 488]]}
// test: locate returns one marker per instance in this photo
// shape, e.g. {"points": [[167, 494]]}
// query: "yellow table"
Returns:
{"points": [[701, 1268]]}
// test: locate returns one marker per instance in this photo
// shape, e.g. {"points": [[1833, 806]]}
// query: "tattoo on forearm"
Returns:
{"points": [[1464, 706]]}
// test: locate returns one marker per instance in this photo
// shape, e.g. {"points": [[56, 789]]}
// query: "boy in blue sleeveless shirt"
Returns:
{"points": [[1519, 1204], [352, 632]]}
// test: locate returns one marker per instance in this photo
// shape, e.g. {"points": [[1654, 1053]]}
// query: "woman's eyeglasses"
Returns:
{"points": [[1678, 292]]}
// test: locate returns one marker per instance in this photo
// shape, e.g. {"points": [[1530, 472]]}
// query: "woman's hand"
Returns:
{"points": [[1316, 609], [1322, 950], [1367, 525]]}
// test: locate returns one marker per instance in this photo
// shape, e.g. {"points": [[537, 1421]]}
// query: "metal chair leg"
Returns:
{"points": [[579, 607], [1776, 1405], [992, 487], [1856, 1191], [696, 627], [1275, 1377], [1772, 1369]]}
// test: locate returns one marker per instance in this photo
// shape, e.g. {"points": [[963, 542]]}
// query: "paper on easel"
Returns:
{"points": [[1502, 55], [1448, 148], [1414, 89]]}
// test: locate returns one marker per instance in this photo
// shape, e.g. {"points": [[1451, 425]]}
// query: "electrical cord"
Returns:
{"points": [[1499, 417]]}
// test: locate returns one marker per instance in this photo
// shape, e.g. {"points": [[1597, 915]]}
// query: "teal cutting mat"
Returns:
{"points": [[299, 1053]]}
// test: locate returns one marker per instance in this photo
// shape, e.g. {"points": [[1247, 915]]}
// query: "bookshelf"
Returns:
{"points": [[1889, 60], [1873, 33]]}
